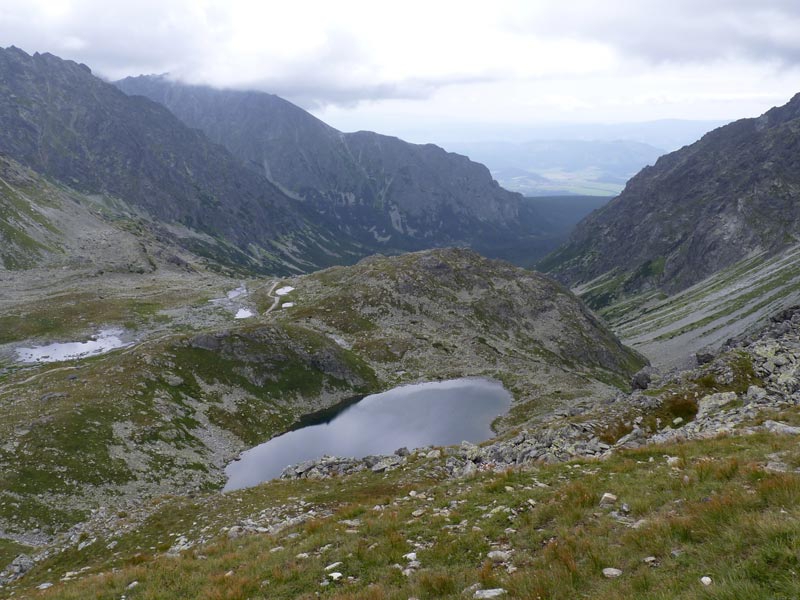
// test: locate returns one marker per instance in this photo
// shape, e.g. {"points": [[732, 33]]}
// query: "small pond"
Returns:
{"points": [[414, 416], [105, 341]]}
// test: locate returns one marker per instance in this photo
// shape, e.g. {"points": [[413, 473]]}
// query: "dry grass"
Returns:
{"points": [[717, 513]]}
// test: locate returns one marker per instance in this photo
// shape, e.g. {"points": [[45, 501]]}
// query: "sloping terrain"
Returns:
{"points": [[66, 124], [695, 212], [389, 194], [697, 496], [193, 386], [669, 330], [51, 226]]}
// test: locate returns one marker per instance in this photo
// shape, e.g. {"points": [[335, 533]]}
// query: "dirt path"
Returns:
{"points": [[276, 299]]}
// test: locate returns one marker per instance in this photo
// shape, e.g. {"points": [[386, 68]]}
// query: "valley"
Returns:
{"points": [[196, 385], [244, 354]]}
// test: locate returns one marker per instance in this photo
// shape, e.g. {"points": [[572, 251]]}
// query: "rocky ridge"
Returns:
{"points": [[387, 193], [65, 123], [696, 211], [774, 354]]}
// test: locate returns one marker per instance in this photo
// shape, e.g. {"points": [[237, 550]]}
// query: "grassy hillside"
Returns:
{"points": [[704, 509], [195, 387]]}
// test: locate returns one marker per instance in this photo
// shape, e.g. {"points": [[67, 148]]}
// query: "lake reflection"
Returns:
{"points": [[438, 413]]}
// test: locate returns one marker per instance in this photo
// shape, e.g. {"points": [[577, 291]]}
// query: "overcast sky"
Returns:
{"points": [[438, 65]]}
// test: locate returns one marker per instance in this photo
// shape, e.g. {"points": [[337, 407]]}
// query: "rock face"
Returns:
{"points": [[772, 355], [387, 193], [46, 224], [696, 211], [442, 312], [63, 122]]}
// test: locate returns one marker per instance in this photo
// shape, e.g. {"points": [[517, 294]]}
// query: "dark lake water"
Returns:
{"points": [[414, 416]]}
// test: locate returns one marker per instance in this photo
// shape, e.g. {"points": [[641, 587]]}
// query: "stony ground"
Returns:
{"points": [[196, 386], [670, 329], [495, 518]]}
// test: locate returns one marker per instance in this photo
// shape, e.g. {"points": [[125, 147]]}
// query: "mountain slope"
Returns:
{"points": [[194, 386], [692, 493], [65, 123], [384, 191], [697, 210], [49, 226]]}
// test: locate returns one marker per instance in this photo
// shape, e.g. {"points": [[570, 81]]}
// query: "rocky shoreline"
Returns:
{"points": [[775, 357], [580, 431]]}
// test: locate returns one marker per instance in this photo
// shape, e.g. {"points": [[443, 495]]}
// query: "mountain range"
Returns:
{"points": [[265, 187], [385, 193], [698, 210], [165, 309]]}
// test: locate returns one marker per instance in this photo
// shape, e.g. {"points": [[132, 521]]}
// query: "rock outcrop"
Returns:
{"points": [[65, 123], [388, 193], [696, 211]]}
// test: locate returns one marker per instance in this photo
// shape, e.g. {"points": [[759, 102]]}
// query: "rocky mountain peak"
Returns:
{"points": [[700, 209]]}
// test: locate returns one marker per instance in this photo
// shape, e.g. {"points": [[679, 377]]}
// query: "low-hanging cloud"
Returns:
{"points": [[679, 31], [323, 53]]}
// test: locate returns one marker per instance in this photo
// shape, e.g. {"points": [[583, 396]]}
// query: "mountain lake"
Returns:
{"points": [[412, 416]]}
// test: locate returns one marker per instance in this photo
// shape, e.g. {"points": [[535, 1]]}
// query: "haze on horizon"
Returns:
{"points": [[447, 70]]}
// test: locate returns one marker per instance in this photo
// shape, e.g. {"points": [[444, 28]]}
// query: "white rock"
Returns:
{"points": [[332, 566], [709, 403], [498, 556], [611, 572], [673, 461], [410, 556], [706, 580], [44, 586], [607, 499], [335, 576], [132, 584], [782, 428], [493, 593]]}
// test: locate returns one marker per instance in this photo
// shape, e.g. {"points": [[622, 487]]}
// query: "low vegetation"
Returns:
{"points": [[712, 510]]}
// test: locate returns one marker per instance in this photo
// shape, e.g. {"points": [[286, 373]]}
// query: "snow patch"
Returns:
{"points": [[284, 290], [243, 313], [287, 305], [240, 291]]}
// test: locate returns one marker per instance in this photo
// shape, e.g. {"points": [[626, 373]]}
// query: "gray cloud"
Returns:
{"points": [[682, 31], [196, 41]]}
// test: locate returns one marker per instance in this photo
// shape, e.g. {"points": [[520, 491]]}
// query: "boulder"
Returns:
{"points": [[781, 428], [710, 403], [642, 379]]}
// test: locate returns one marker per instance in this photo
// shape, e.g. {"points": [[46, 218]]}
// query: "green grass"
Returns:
{"points": [[717, 513], [9, 550], [71, 314]]}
